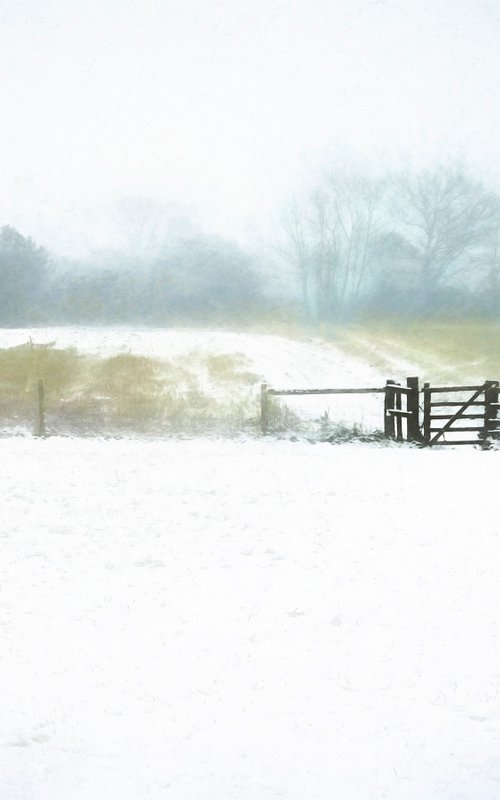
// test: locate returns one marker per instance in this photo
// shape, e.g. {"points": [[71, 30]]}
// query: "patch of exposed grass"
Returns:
{"points": [[127, 393], [445, 350], [229, 368], [281, 419], [20, 366]]}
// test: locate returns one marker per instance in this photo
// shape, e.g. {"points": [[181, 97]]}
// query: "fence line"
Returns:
{"points": [[394, 413], [402, 411], [402, 415]]}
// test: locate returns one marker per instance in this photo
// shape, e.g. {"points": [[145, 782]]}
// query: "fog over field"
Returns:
{"points": [[210, 159], [214, 586], [217, 104]]}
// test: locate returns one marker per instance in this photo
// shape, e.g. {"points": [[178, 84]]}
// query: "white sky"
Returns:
{"points": [[219, 103]]}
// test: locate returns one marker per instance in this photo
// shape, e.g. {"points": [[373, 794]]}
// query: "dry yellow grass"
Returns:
{"points": [[86, 394], [442, 350]]}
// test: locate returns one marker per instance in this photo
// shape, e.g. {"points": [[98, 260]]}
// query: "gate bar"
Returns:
{"points": [[462, 416], [287, 392], [457, 388], [456, 403]]}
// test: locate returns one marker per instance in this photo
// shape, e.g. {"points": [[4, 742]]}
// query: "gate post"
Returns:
{"points": [[427, 413], [41, 431], [412, 426], [263, 408], [490, 410], [389, 397]]}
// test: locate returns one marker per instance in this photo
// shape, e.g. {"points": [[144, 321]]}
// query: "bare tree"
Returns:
{"points": [[488, 262], [333, 238], [447, 217], [295, 251], [493, 264]]}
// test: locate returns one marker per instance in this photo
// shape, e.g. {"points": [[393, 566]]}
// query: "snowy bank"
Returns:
{"points": [[246, 620]]}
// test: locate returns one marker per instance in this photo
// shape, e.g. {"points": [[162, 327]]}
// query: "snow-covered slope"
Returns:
{"points": [[231, 620], [281, 362]]}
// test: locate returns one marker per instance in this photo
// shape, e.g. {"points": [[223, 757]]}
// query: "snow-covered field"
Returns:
{"points": [[214, 619], [281, 360], [244, 620]]}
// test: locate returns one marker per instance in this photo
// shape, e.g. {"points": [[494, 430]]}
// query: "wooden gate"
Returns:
{"points": [[451, 414], [444, 417]]}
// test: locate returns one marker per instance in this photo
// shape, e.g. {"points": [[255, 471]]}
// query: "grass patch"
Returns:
{"points": [[454, 350], [281, 419], [127, 393]]}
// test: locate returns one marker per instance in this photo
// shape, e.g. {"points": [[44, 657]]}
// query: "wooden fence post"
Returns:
{"points": [[264, 410], [490, 410], [389, 397], [41, 431], [495, 395], [427, 413], [412, 406]]}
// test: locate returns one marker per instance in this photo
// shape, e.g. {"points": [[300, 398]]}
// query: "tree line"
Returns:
{"points": [[203, 279], [349, 245], [407, 243]]}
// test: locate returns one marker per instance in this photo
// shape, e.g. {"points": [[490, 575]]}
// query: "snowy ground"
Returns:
{"points": [[281, 360], [248, 620]]}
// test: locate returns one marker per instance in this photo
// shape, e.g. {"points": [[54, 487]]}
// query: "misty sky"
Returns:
{"points": [[219, 104]]}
